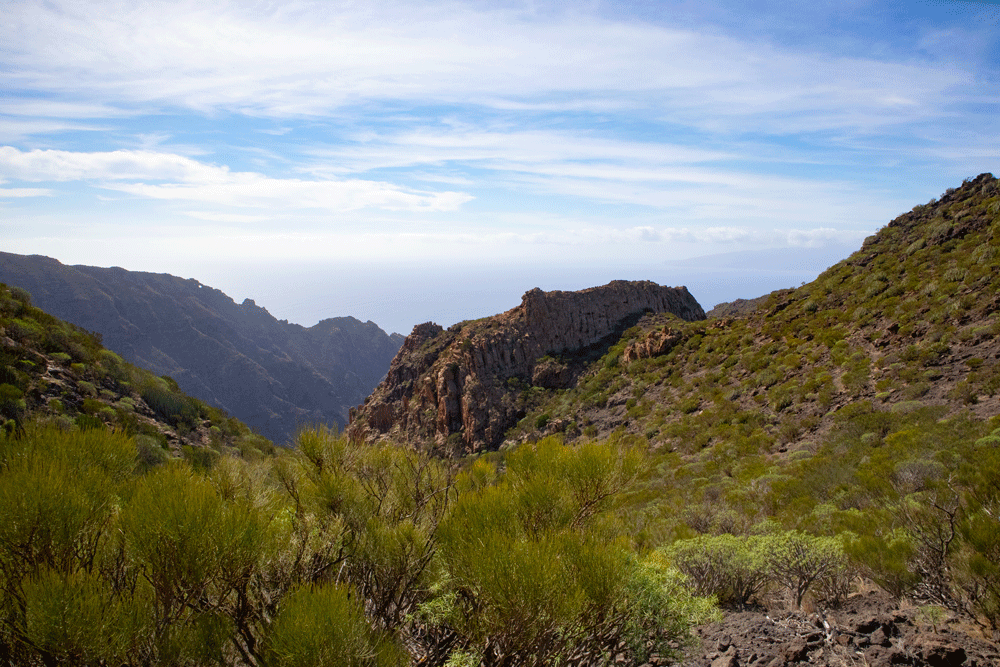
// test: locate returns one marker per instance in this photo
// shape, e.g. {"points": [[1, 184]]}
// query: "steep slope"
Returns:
{"points": [[463, 388], [53, 371], [271, 374]]}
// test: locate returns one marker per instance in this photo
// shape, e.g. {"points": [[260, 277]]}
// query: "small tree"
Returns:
{"points": [[799, 559]]}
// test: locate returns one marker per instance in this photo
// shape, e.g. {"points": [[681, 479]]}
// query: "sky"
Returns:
{"points": [[404, 162]]}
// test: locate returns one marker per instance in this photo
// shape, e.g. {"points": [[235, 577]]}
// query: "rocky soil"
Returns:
{"points": [[867, 630]]}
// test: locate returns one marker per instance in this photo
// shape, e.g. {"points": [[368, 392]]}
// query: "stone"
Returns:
{"points": [[797, 651], [728, 660], [938, 652]]}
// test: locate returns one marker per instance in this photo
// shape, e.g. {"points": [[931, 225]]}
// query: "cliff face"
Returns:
{"points": [[461, 388], [273, 375]]}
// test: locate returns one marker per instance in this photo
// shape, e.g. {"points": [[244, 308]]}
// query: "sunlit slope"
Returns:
{"points": [[907, 321]]}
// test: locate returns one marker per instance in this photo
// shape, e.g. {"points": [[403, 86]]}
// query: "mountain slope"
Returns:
{"points": [[907, 321], [271, 374], [55, 372], [859, 413]]}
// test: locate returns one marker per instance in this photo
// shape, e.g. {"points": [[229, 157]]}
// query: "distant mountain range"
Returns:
{"points": [[271, 374]]}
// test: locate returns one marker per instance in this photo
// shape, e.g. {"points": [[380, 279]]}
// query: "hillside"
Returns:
{"points": [[907, 322], [139, 526], [273, 375], [811, 478], [58, 373]]}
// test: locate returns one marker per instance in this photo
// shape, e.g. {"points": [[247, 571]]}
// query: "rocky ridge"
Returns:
{"points": [[462, 388]]}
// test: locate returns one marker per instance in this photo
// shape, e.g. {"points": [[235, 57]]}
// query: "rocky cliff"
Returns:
{"points": [[271, 374], [463, 388]]}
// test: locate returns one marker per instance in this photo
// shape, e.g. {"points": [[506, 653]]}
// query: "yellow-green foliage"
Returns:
{"points": [[322, 626], [535, 567]]}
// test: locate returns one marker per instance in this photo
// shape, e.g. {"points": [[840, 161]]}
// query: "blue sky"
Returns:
{"points": [[391, 159]]}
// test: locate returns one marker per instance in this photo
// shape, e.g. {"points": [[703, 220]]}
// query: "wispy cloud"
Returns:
{"points": [[447, 128], [186, 179], [25, 192], [308, 59]]}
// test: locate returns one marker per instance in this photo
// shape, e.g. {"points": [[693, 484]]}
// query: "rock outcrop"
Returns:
{"points": [[459, 388]]}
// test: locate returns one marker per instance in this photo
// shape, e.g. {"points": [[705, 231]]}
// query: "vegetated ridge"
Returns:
{"points": [[908, 321], [461, 389], [271, 374]]}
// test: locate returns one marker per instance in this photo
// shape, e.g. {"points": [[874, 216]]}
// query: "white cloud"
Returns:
{"points": [[25, 192], [213, 216], [511, 150], [249, 189], [190, 180], [17, 129], [305, 58]]}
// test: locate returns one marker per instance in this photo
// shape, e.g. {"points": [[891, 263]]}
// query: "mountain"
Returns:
{"points": [[464, 387], [273, 375], [907, 321], [54, 372], [806, 478]]}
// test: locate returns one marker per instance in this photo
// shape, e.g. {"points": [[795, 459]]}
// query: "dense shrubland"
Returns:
{"points": [[844, 435], [857, 412], [335, 553]]}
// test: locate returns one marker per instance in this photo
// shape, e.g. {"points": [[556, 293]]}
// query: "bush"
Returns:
{"points": [[75, 618], [731, 568], [798, 560], [535, 567], [323, 626]]}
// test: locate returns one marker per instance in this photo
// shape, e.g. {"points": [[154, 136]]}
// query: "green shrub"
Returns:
{"points": [[535, 567], [798, 560], [75, 618], [731, 568], [323, 626]]}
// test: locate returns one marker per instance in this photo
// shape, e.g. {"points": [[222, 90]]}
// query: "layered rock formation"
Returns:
{"points": [[271, 374], [460, 388]]}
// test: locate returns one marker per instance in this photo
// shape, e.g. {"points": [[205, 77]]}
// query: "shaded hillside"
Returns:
{"points": [[55, 372], [461, 389], [271, 374]]}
